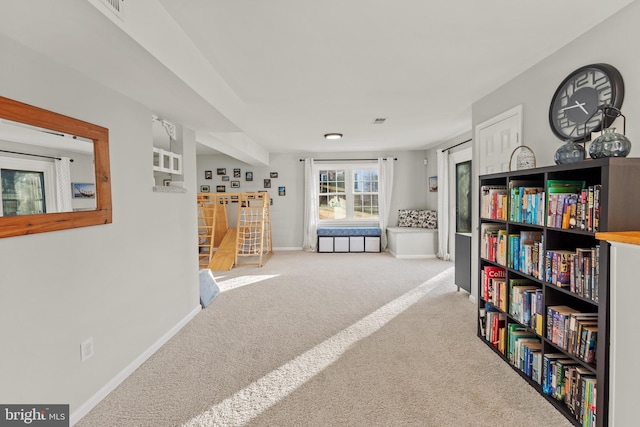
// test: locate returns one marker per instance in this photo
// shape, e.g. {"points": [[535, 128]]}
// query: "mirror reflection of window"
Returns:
{"points": [[22, 192], [463, 197], [59, 160]]}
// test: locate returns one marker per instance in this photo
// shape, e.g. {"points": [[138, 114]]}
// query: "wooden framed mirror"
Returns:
{"points": [[34, 125]]}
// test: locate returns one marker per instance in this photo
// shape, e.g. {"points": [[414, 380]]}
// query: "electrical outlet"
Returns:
{"points": [[86, 349]]}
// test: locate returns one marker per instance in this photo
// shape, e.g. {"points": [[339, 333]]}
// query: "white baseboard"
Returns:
{"points": [[411, 256], [288, 249], [86, 407]]}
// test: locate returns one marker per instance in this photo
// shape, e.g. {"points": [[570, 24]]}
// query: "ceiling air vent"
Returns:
{"points": [[379, 121], [115, 6]]}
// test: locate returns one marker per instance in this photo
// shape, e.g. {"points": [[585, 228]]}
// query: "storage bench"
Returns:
{"points": [[349, 239], [408, 242]]}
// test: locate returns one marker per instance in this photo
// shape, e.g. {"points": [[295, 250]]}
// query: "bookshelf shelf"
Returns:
{"points": [[544, 307]]}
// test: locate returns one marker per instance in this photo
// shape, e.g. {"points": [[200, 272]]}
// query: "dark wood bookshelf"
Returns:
{"points": [[619, 204]]}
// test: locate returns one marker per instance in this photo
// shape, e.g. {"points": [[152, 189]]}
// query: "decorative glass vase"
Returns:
{"points": [[610, 144], [570, 152]]}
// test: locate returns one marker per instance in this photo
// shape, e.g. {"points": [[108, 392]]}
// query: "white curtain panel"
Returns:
{"points": [[63, 184], [310, 223], [443, 205], [385, 182]]}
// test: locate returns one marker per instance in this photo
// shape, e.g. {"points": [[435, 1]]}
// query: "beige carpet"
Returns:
{"points": [[329, 340]]}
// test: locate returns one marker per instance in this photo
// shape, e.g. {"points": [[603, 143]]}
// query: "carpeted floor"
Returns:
{"points": [[329, 340]]}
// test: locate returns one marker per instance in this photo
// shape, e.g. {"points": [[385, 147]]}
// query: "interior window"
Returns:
{"points": [[348, 193], [22, 192]]}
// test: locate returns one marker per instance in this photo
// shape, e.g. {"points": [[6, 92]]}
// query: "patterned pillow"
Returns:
{"points": [[428, 219], [417, 218]]}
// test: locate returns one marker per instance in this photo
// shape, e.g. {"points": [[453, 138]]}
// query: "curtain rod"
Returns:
{"points": [[460, 143], [34, 155], [345, 160]]}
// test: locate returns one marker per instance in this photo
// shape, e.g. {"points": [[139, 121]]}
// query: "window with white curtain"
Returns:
{"points": [[27, 187], [348, 192]]}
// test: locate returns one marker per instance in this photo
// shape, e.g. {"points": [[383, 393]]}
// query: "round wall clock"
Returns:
{"points": [[573, 113]]}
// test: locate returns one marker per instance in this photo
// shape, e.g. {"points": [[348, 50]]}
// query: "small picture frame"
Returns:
{"points": [[221, 188], [225, 177], [267, 183], [282, 191], [208, 174], [236, 173], [249, 176], [166, 182], [205, 189], [235, 184], [221, 171], [273, 174], [433, 184], [81, 190], [234, 199]]}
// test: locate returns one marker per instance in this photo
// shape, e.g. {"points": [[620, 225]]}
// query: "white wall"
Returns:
{"points": [[125, 284], [409, 189], [610, 42]]}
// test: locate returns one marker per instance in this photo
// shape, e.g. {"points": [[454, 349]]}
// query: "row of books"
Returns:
{"points": [[526, 202], [492, 288], [523, 350], [526, 303], [569, 204], [577, 270], [494, 202], [573, 205], [493, 243], [573, 331], [492, 325], [567, 381], [526, 252]]}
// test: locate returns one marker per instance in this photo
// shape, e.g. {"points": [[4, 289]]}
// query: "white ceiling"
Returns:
{"points": [[259, 77]]}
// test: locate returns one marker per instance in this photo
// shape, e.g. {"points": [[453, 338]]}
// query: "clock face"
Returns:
{"points": [[573, 113]]}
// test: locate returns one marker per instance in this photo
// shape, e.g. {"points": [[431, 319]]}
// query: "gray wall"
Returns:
{"points": [[125, 284], [610, 42], [409, 188]]}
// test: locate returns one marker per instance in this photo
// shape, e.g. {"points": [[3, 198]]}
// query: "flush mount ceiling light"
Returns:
{"points": [[333, 135]]}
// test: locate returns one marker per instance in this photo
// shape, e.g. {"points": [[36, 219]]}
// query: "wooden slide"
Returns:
{"points": [[224, 258]]}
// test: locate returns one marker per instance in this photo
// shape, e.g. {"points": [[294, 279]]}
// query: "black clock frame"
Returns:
{"points": [[617, 89]]}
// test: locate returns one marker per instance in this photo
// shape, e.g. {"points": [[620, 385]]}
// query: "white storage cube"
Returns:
{"points": [[325, 244], [372, 244], [341, 244], [356, 244]]}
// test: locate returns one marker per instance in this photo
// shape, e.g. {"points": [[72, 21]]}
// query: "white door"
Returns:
{"points": [[454, 159], [496, 139]]}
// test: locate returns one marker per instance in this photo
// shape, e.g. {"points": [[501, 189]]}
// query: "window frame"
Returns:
{"points": [[28, 165], [349, 169]]}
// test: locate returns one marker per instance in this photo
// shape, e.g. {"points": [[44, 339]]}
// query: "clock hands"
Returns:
{"points": [[578, 105]]}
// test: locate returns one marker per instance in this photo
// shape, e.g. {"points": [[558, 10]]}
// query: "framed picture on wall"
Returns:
{"points": [[267, 183], [282, 191], [205, 188], [221, 188], [225, 177], [221, 171], [273, 174], [235, 184], [236, 173], [249, 176], [208, 174], [83, 191], [433, 183]]}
